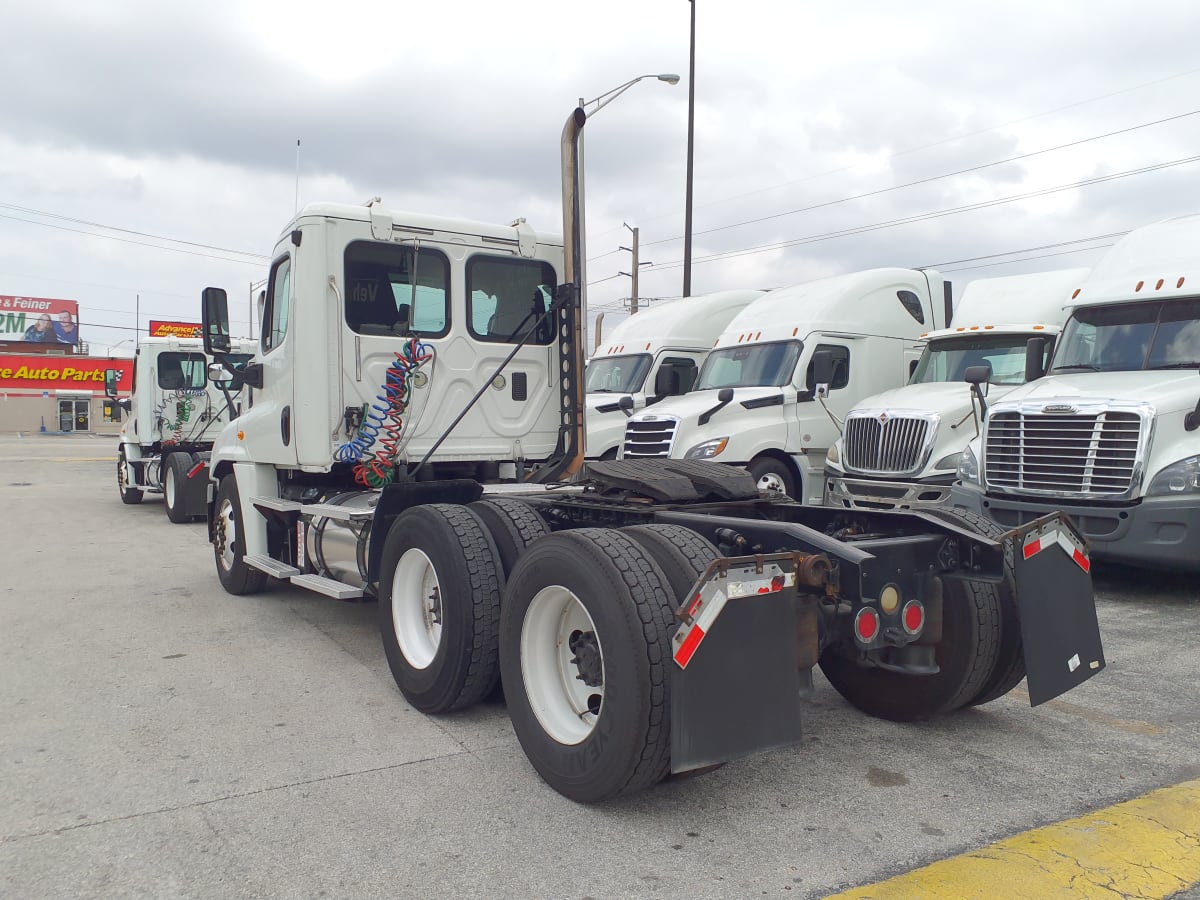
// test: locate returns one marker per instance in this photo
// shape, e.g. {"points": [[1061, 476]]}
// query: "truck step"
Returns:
{"points": [[329, 587], [272, 567], [335, 512], [277, 503]]}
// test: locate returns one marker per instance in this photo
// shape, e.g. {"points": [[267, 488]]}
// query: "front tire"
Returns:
{"points": [[771, 474], [129, 494], [584, 647], [439, 607], [229, 543], [174, 475]]}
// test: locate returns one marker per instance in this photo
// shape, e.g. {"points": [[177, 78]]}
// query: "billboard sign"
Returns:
{"points": [[159, 328], [37, 320], [75, 373]]}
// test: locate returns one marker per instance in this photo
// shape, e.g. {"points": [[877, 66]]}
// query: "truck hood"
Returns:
{"points": [[1169, 391], [949, 399], [689, 406]]}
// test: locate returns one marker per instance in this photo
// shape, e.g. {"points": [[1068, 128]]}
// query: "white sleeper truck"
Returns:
{"points": [[649, 357], [901, 448], [173, 416], [1111, 434], [417, 439], [755, 403]]}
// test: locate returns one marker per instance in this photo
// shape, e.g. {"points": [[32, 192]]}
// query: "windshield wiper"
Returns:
{"points": [[1076, 367], [1178, 365]]}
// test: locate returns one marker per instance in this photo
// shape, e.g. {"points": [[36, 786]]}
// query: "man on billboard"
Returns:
{"points": [[65, 330], [41, 331]]}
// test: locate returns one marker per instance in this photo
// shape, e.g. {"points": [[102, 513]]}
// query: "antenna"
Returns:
{"points": [[297, 176]]}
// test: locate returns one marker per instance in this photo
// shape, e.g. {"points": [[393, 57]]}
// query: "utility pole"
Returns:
{"points": [[633, 272], [687, 208]]}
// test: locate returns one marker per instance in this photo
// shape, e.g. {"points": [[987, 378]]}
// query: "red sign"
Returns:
{"points": [[160, 328], [74, 373], [37, 320]]}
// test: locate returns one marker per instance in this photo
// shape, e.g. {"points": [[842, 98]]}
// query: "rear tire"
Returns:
{"points": [[174, 476], [129, 495], [439, 607], [584, 648], [513, 525], [681, 553], [229, 543], [966, 656]]}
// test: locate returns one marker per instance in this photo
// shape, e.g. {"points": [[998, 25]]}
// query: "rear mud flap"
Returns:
{"points": [[735, 680], [1059, 629], [195, 491]]}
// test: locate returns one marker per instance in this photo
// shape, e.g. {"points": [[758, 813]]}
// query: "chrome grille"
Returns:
{"points": [[1093, 453], [652, 438], [876, 443]]}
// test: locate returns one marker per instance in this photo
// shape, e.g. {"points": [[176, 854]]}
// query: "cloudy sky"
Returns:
{"points": [[148, 149]]}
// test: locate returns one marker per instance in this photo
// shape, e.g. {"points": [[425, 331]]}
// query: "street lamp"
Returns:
{"points": [[600, 102]]}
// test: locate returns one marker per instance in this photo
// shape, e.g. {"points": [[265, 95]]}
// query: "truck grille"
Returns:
{"points": [[877, 443], [653, 438], [1071, 454]]}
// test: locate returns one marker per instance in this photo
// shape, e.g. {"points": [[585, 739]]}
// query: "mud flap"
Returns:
{"points": [[195, 490], [1059, 629], [735, 680]]}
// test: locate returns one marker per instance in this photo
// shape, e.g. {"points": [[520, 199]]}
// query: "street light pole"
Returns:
{"points": [[600, 102], [687, 202]]}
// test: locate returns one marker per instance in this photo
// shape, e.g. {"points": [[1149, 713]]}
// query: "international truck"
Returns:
{"points": [[417, 439], [1110, 434], [172, 417], [649, 357], [754, 403], [901, 448]]}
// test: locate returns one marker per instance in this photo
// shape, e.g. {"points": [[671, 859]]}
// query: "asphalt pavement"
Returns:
{"points": [[162, 738]]}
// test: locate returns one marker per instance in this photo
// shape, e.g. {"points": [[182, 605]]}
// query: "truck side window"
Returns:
{"points": [[275, 313], [841, 367], [912, 303], [675, 376], [506, 297], [397, 291]]}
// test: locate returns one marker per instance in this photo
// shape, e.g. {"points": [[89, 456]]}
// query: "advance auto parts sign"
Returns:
{"points": [[72, 373], [36, 320], [159, 328]]}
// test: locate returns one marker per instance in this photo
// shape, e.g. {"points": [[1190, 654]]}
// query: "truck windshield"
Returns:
{"points": [[948, 358], [755, 365], [618, 374], [1131, 336]]}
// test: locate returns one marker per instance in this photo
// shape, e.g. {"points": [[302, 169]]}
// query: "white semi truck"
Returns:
{"points": [[417, 438], [650, 357], [1110, 434], [901, 448], [173, 416], [755, 404]]}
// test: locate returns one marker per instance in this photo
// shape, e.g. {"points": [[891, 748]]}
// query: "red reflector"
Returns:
{"points": [[866, 624], [693, 606], [1031, 548], [777, 583], [684, 654], [196, 470], [1082, 561], [914, 617]]}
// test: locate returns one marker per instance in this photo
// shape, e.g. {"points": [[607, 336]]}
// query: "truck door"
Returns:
{"points": [[270, 425], [816, 429]]}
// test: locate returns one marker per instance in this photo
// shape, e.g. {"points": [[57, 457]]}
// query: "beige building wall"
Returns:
{"points": [[81, 411]]}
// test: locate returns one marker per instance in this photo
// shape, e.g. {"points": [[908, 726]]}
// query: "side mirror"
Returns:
{"points": [[822, 363], [725, 395], [125, 404], [625, 404], [977, 375], [1035, 355], [218, 373], [216, 321], [112, 377]]}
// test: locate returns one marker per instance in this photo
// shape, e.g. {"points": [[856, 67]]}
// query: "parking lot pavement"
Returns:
{"points": [[163, 738]]}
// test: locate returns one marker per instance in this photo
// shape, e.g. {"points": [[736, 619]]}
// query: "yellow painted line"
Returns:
{"points": [[1148, 847], [1129, 726]]}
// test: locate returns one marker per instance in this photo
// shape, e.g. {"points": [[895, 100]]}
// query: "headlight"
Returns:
{"points": [[1182, 477], [968, 467], [834, 456], [950, 461], [708, 449]]}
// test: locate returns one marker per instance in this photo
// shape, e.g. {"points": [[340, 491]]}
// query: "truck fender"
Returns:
{"points": [[396, 498]]}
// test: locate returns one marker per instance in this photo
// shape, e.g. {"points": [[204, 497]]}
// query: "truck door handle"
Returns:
{"points": [[285, 425]]}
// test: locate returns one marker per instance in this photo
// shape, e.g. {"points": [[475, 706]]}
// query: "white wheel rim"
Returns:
{"points": [[122, 475], [169, 486], [564, 704], [225, 534], [769, 481], [417, 608]]}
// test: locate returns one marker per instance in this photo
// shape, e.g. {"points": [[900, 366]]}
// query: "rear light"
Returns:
{"points": [[866, 624], [913, 617]]}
